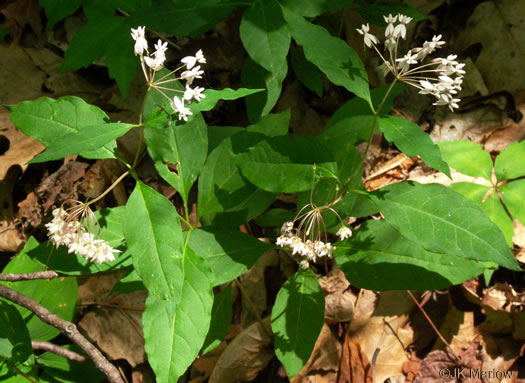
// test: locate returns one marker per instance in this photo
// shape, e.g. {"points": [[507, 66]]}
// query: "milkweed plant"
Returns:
{"points": [[428, 237]]}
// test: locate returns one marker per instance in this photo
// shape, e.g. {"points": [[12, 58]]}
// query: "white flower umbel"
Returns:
{"points": [[442, 78], [154, 62], [65, 230]]}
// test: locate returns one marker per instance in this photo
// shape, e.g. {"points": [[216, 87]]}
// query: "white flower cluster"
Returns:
{"points": [[312, 250], [442, 77], [155, 62], [71, 233]]}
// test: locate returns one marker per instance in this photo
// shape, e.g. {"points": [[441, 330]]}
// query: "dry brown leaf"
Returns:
{"points": [[457, 329], [499, 28], [381, 324], [253, 283], [245, 356], [354, 366], [323, 363], [115, 325], [339, 300]]}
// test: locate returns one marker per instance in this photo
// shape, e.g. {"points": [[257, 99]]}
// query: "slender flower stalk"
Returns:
{"points": [[306, 234], [441, 77], [153, 62]]}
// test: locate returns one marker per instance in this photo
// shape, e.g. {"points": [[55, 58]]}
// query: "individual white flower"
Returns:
{"points": [[141, 44], [404, 63], [192, 74], [369, 38], [344, 233], [390, 20], [156, 63], [400, 29], [304, 264], [193, 93], [190, 61], [283, 241], [178, 106]]}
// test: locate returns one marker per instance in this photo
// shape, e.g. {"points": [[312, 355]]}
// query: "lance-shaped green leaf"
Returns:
{"points": [[58, 295], [229, 253], [175, 330], [286, 164], [265, 35], [306, 72], [443, 221], [412, 141], [154, 236], [379, 258], [297, 318], [184, 146], [66, 370], [15, 343], [467, 158], [331, 55], [90, 138], [221, 318], [221, 185], [313, 8], [110, 223], [213, 97], [49, 120], [255, 76], [513, 194], [509, 162]]}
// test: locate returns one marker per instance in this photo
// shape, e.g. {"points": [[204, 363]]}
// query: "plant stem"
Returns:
{"points": [[108, 189]]}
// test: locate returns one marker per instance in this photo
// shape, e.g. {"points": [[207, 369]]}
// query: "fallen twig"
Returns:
{"points": [[49, 274], [55, 349], [67, 328]]}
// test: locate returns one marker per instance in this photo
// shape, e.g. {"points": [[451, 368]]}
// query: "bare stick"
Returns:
{"points": [[49, 274], [67, 328], [47, 346], [432, 324]]}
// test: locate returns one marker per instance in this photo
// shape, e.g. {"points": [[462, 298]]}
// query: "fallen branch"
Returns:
{"points": [[47, 346], [67, 328], [49, 274]]}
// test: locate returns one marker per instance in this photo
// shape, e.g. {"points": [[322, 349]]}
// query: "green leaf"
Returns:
{"points": [[104, 35], [70, 371], [175, 330], [467, 158], [331, 55], [264, 34], [221, 185], [412, 141], [90, 138], [57, 10], [128, 284], [497, 214], [306, 72], [58, 295], [352, 122], [184, 146], [286, 164], [379, 258], [110, 224], [313, 8], [255, 76], [221, 317], [512, 194], [49, 121], [374, 12], [297, 318], [275, 217], [470, 190], [15, 343], [508, 163], [213, 96], [229, 253], [443, 221], [193, 17], [154, 236]]}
